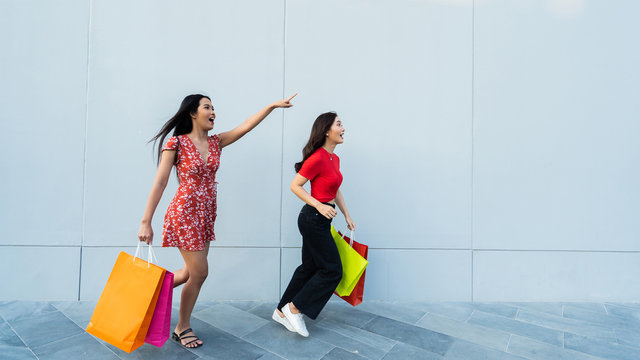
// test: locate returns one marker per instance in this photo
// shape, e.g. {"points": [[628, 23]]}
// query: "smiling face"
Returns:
{"points": [[335, 135], [205, 116]]}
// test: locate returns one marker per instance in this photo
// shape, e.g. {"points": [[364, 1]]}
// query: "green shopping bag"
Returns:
{"points": [[353, 265]]}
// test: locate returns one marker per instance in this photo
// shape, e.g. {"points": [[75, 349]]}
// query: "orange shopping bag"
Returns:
{"points": [[124, 311]]}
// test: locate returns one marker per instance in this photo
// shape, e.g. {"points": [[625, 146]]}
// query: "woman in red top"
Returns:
{"points": [[314, 281], [188, 224]]}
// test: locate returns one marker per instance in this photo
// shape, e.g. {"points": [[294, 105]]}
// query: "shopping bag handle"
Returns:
{"points": [[150, 254], [353, 235]]}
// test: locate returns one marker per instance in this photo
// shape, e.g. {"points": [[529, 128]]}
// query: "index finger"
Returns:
{"points": [[291, 97]]}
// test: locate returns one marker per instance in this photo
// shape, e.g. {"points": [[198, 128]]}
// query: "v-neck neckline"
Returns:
{"points": [[204, 161]]}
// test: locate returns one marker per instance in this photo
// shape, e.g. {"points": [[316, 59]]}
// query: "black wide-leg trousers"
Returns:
{"points": [[314, 281]]}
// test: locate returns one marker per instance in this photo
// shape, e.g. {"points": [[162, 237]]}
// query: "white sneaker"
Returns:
{"points": [[282, 320], [296, 321]]}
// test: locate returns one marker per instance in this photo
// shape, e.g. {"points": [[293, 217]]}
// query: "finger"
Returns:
{"points": [[291, 97]]}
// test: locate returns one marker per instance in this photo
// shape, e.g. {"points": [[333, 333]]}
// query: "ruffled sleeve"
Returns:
{"points": [[172, 144], [216, 141]]}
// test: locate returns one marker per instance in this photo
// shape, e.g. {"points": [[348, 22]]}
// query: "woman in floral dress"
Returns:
{"points": [[189, 221]]}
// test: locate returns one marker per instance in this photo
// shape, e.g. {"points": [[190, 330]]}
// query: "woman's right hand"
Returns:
{"points": [[327, 211], [285, 103], [145, 233]]}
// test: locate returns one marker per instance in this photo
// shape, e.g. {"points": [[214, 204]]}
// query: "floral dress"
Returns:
{"points": [[192, 212]]}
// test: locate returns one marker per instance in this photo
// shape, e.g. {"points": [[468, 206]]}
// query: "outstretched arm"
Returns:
{"points": [[159, 184], [231, 136]]}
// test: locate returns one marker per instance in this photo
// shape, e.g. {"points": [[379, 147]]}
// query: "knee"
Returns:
{"points": [[183, 274], [198, 277]]}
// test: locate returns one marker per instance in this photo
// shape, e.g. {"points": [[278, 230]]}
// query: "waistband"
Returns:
{"points": [[311, 207]]}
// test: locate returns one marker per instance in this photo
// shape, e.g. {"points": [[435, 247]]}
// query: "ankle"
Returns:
{"points": [[293, 308], [180, 328]]}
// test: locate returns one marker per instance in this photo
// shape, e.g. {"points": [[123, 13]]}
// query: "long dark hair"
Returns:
{"points": [[181, 122], [318, 134]]}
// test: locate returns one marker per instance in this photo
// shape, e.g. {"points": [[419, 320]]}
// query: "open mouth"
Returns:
{"points": [[211, 120]]}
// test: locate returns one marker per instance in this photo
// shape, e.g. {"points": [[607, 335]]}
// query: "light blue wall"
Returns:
{"points": [[489, 154]]}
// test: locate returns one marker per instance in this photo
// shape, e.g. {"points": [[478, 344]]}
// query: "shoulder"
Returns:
{"points": [[318, 154], [314, 158], [171, 144], [215, 138]]}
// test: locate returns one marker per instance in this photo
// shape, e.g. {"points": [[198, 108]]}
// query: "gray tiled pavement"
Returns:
{"points": [[373, 330]]}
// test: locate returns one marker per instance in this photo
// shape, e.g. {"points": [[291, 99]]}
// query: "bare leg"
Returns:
{"points": [[198, 268]]}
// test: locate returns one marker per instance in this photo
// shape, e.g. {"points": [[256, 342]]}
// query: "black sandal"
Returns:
{"points": [[181, 337]]}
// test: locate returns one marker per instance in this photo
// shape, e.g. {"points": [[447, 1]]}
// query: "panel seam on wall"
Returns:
{"points": [[370, 248], [473, 40], [84, 159], [284, 83]]}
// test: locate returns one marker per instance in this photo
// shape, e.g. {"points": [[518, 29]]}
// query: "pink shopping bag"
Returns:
{"points": [[161, 322]]}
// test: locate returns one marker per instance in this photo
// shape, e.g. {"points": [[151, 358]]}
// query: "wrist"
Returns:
{"points": [[145, 222]]}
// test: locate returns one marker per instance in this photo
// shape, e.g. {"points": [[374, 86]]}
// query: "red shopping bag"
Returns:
{"points": [[355, 297], [159, 330]]}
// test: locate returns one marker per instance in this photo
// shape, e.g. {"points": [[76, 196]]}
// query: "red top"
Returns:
{"points": [[323, 170]]}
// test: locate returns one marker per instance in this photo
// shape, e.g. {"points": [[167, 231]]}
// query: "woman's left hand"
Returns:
{"points": [[286, 103], [350, 224]]}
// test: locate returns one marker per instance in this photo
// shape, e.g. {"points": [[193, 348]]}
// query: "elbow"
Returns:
{"points": [[160, 184], [295, 188]]}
